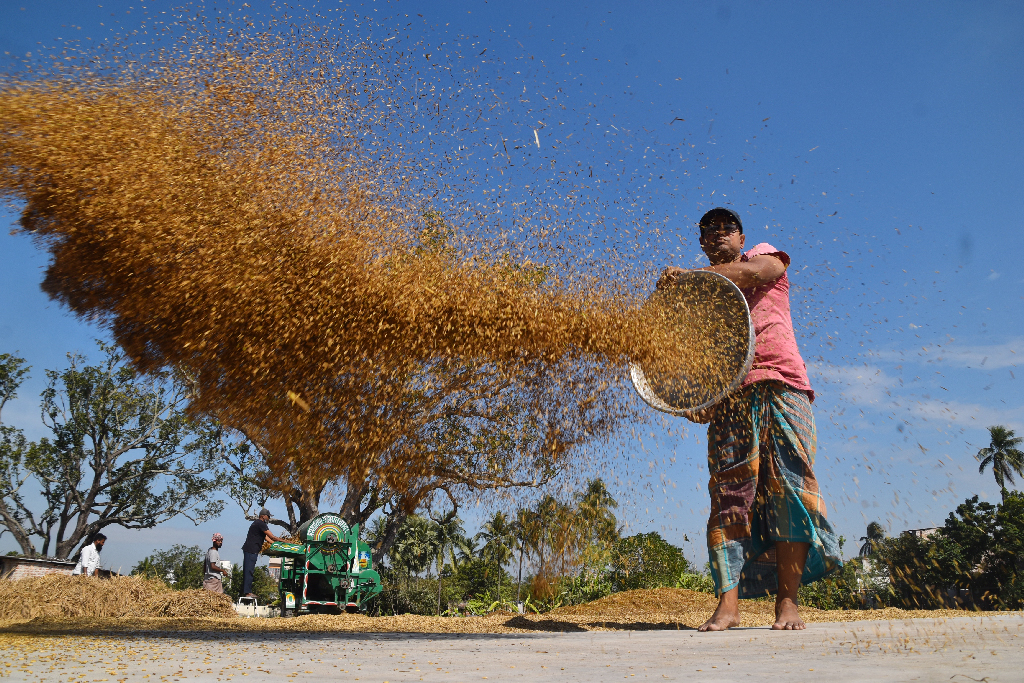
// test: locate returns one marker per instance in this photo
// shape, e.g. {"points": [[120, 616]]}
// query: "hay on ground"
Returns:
{"points": [[62, 596], [640, 610]]}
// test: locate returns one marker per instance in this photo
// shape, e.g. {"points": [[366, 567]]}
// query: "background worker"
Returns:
{"points": [[212, 571], [89, 558], [259, 531], [767, 530]]}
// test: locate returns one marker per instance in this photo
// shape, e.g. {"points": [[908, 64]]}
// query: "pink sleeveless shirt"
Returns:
{"points": [[776, 356]]}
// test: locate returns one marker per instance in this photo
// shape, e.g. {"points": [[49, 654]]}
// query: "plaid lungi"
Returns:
{"points": [[761, 445]]}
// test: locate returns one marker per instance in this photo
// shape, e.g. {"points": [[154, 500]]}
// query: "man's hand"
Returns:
{"points": [[701, 417], [669, 276]]}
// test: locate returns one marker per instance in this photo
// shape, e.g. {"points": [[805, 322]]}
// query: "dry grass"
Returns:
{"points": [[660, 609], [61, 597]]}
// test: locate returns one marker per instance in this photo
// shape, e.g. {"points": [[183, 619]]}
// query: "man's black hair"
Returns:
{"points": [[722, 213], [99, 537]]}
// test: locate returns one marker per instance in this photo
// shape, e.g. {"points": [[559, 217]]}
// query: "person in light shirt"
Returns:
{"points": [[89, 558], [212, 571]]}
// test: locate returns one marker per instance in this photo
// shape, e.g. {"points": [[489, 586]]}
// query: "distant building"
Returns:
{"points": [[14, 567], [922, 533], [275, 568]]}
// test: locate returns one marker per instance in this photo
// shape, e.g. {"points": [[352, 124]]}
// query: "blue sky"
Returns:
{"points": [[877, 143]]}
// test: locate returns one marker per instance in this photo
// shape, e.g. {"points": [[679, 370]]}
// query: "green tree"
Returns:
{"points": [[499, 539], [596, 523], [1003, 455], [121, 452], [180, 567], [412, 551], [646, 561], [446, 534], [963, 554], [1010, 521], [264, 587], [13, 451], [875, 535], [467, 549]]}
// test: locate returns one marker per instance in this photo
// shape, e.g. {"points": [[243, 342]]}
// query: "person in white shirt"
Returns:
{"points": [[89, 558], [212, 570]]}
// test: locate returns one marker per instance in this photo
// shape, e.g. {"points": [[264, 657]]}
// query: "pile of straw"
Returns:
{"points": [[60, 595]]}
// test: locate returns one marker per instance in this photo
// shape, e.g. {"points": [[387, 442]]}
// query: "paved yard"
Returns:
{"points": [[959, 649]]}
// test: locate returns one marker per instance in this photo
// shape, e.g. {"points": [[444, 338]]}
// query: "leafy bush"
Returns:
{"points": [[836, 591], [264, 587], [646, 561], [180, 567], [702, 583], [584, 587], [974, 559]]}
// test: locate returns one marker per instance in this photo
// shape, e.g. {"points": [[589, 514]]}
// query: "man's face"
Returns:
{"points": [[265, 518], [99, 543], [721, 240], [218, 544]]}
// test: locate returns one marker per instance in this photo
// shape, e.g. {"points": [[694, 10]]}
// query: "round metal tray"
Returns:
{"points": [[713, 302]]}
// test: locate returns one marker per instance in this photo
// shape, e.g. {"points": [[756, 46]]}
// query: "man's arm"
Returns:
{"points": [[759, 270], [272, 537]]}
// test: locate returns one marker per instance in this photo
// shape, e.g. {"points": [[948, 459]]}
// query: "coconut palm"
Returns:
{"points": [[413, 548], [876, 534], [594, 517], [446, 534], [1003, 455], [527, 531], [466, 549], [499, 539]]}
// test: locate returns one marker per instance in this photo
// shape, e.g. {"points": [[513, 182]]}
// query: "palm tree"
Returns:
{"points": [[447, 532], [595, 520], [413, 546], [876, 534], [467, 549], [499, 542], [527, 532], [1004, 457]]}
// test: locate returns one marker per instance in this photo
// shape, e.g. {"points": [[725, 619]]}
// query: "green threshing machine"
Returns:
{"points": [[328, 570]]}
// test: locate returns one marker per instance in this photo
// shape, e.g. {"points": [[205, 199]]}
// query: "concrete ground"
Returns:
{"points": [[961, 649]]}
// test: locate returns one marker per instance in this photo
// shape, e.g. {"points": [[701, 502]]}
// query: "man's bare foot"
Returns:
{"points": [[726, 615], [721, 620], [787, 616]]}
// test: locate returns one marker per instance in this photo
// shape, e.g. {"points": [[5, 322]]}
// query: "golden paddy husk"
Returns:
{"points": [[657, 609], [61, 597], [217, 210]]}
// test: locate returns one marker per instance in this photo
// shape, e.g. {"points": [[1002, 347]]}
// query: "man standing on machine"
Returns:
{"points": [[767, 531], [259, 531]]}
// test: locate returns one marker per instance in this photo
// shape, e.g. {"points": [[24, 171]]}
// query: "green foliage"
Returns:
{"points": [[402, 594], [875, 535], [121, 452], [586, 586], [976, 553], [836, 591], [1003, 455], [702, 583], [646, 561], [180, 567], [264, 587]]}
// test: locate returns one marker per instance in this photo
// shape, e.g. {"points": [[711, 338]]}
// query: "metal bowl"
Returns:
{"points": [[714, 312]]}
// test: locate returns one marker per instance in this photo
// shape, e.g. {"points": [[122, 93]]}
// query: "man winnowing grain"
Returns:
{"points": [[767, 531]]}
